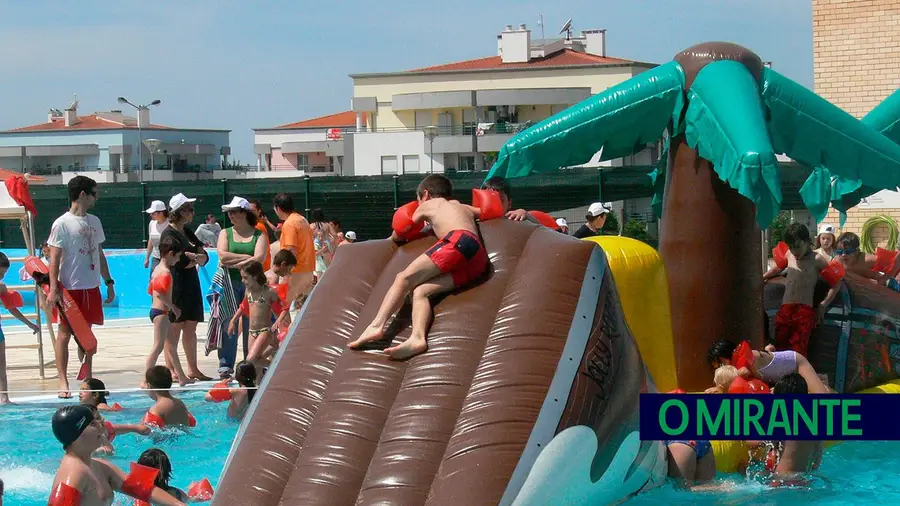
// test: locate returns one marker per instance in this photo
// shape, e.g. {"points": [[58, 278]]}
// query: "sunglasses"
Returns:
{"points": [[845, 251]]}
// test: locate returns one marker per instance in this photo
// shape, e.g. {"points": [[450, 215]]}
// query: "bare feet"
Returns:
{"points": [[199, 376], [371, 334], [5, 400], [186, 381], [410, 348]]}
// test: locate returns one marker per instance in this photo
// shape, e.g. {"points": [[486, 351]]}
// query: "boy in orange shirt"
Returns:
{"points": [[297, 238]]}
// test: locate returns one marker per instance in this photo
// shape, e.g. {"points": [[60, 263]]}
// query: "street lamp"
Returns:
{"points": [[139, 108], [153, 146], [430, 133]]}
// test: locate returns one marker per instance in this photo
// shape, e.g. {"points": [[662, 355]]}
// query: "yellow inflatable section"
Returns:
{"points": [[643, 288], [732, 456]]}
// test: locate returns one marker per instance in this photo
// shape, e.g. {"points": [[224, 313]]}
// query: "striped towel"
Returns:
{"points": [[222, 307]]}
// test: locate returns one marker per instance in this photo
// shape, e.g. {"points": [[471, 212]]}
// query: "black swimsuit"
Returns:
{"points": [[186, 293]]}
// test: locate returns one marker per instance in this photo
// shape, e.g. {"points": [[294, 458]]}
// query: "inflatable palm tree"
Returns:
{"points": [[727, 116]]}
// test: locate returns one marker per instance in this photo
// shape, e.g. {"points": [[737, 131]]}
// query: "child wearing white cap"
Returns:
{"points": [[159, 221], [825, 241], [595, 219], [563, 225]]}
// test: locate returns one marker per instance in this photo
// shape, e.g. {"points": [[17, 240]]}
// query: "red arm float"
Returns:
{"points": [[219, 392], [140, 482], [833, 273], [743, 356], [757, 386], [544, 219], [488, 201], [160, 284], [116, 407], [739, 386], [779, 254], [200, 491], [110, 431], [245, 306], [192, 422], [678, 391], [278, 306], [884, 260], [12, 299], [138, 502], [154, 420], [64, 495], [282, 290], [403, 223]]}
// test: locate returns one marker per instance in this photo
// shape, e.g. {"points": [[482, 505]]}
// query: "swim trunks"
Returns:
{"points": [[700, 447], [461, 254], [90, 303], [794, 324], [156, 312], [782, 364]]}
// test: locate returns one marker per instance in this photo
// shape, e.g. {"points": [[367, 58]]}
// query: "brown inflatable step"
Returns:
{"points": [[481, 418]]}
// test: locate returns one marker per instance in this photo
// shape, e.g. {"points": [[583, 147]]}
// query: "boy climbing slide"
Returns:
{"points": [[455, 261]]}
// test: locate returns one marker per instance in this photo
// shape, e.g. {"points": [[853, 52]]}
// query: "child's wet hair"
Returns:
{"points": [[437, 185], [848, 240], [719, 350], [99, 389], [724, 376], [793, 383], [796, 232], [245, 375], [158, 376], [157, 459], [254, 269]]}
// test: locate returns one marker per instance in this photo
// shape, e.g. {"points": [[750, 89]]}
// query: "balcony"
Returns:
{"points": [[450, 139], [492, 136]]}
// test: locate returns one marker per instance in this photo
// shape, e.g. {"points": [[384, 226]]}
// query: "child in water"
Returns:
{"points": [[114, 429], [768, 366], [163, 311], [240, 398], [157, 459], [168, 410], [454, 262], [93, 392], [795, 457], [260, 304], [723, 378]]}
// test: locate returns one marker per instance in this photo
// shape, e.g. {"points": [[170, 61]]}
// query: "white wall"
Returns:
{"points": [[276, 138], [369, 147]]}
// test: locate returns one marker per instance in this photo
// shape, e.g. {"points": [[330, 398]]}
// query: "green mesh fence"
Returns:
{"points": [[364, 204]]}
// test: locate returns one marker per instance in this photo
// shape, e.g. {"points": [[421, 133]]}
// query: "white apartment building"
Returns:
{"points": [[456, 116]]}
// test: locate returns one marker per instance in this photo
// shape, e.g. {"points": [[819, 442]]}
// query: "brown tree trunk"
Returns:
{"points": [[711, 245]]}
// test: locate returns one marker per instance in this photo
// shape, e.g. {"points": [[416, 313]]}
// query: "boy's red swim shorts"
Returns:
{"points": [[794, 324], [461, 254]]}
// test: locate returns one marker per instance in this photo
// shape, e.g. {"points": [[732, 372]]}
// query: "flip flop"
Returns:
{"points": [[201, 377]]}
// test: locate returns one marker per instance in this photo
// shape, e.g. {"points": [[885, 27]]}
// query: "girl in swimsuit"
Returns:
{"points": [[93, 393], [825, 241], [260, 304], [769, 365], [160, 290], [157, 459], [239, 398]]}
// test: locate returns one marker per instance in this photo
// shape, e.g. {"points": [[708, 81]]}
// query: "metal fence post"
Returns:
{"points": [[222, 215], [396, 192], [144, 223], [306, 191]]}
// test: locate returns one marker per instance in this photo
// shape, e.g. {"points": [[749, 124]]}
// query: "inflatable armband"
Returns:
{"points": [[742, 356], [833, 273], [403, 223], [140, 482], [488, 201], [884, 260], [116, 407], [742, 386], [153, 420], [138, 502], [779, 254], [678, 391], [64, 495], [192, 422], [245, 306], [200, 491], [544, 219], [160, 284], [219, 392], [282, 290], [12, 299], [758, 386], [110, 431]]}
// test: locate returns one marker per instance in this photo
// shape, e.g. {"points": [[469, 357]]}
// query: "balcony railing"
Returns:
{"points": [[505, 127], [59, 169]]}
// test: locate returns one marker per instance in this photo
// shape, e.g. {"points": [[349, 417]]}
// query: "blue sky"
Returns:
{"points": [[240, 65]]}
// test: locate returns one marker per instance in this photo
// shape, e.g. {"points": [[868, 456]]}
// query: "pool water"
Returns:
{"points": [[127, 268], [856, 472], [29, 454]]}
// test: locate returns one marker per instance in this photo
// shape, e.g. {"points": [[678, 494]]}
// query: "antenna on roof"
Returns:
{"points": [[541, 24], [567, 29], [74, 105]]}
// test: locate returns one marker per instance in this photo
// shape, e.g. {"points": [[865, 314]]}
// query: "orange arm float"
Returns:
{"points": [[12, 299], [885, 260], [200, 491], [544, 219], [488, 201], [833, 273], [64, 495], [779, 254], [140, 482], [403, 223], [742, 356]]}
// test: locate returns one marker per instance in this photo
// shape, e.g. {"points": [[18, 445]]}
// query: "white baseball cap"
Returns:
{"points": [[156, 206], [598, 208], [350, 235], [825, 228], [237, 203], [562, 223], [179, 200]]}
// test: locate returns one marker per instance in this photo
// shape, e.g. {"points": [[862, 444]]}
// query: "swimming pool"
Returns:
{"points": [[29, 454], [857, 472], [127, 268]]}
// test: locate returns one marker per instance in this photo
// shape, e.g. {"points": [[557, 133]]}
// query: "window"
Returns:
{"points": [[302, 161], [466, 163], [388, 164], [410, 164]]}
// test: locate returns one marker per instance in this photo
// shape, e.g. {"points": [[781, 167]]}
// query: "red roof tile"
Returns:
{"points": [[82, 123], [341, 119], [564, 58]]}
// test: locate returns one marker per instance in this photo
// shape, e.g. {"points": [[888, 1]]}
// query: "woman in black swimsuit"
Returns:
{"points": [[186, 293]]}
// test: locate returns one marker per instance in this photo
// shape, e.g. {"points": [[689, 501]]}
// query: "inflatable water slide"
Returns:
{"points": [[528, 393]]}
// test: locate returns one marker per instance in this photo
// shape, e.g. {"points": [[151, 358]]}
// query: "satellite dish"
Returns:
{"points": [[567, 29]]}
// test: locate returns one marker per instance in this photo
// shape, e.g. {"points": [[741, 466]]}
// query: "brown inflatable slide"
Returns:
{"points": [[528, 394]]}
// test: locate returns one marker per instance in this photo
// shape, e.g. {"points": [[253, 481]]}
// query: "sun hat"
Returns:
{"points": [[179, 200], [156, 206]]}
